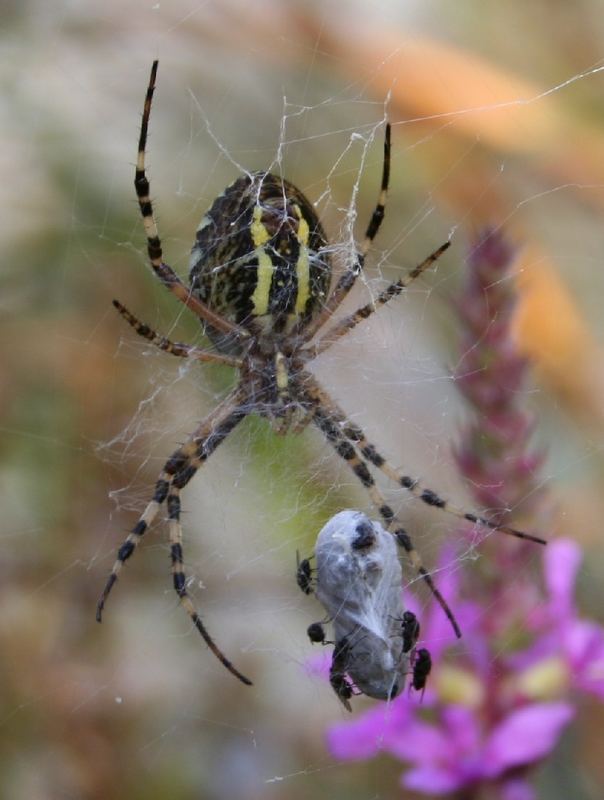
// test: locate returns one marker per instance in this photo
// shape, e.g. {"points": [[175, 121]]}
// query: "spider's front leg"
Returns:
{"points": [[344, 326], [348, 279], [177, 472], [175, 348], [163, 271]]}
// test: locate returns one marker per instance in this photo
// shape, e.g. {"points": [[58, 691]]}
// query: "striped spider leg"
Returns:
{"points": [[350, 443], [185, 461], [177, 472]]}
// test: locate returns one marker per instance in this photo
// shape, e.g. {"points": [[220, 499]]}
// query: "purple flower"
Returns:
{"points": [[568, 651], [457, 751], [499, 705], [488, 740], [365, 736], [463, 754]]}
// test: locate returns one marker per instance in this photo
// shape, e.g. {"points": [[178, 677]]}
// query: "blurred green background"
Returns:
{"points": [[497, 113]]}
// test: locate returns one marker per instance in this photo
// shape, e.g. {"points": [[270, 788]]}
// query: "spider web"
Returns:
{"points": [[142, 684]]}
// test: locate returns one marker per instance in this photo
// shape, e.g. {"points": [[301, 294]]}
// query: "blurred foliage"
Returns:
{"points": [[497, 118]]}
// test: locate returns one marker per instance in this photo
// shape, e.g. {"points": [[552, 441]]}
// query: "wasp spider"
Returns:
{"points": [[260, 283]]}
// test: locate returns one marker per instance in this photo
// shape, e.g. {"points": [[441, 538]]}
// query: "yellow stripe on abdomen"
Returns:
{"points": [[265, 269], [302, 265]]}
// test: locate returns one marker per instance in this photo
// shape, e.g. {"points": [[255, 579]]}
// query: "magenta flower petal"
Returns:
{"points": [[462, 729], [445, 758], [420, 742], [561, 563], [364, 737], [353, 741], [583, 642], [436, 630], [318, 665], [584, 646], [432, 780], [517, 789], [525, 736]]}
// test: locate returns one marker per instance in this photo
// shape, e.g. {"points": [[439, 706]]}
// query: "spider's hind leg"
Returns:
{"points": [[353, 434], [331, 427], [179, 459], [428, 496], [178, 573], [133, 538], [177, 472]]}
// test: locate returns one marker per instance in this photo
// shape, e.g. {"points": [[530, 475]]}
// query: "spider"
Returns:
{"points": [[260, 284]]}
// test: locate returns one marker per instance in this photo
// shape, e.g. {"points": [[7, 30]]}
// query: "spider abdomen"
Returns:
{"points": [[259, 257]]}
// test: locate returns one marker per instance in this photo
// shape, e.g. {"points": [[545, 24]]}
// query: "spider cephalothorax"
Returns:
{"points": [[260, 285]]}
